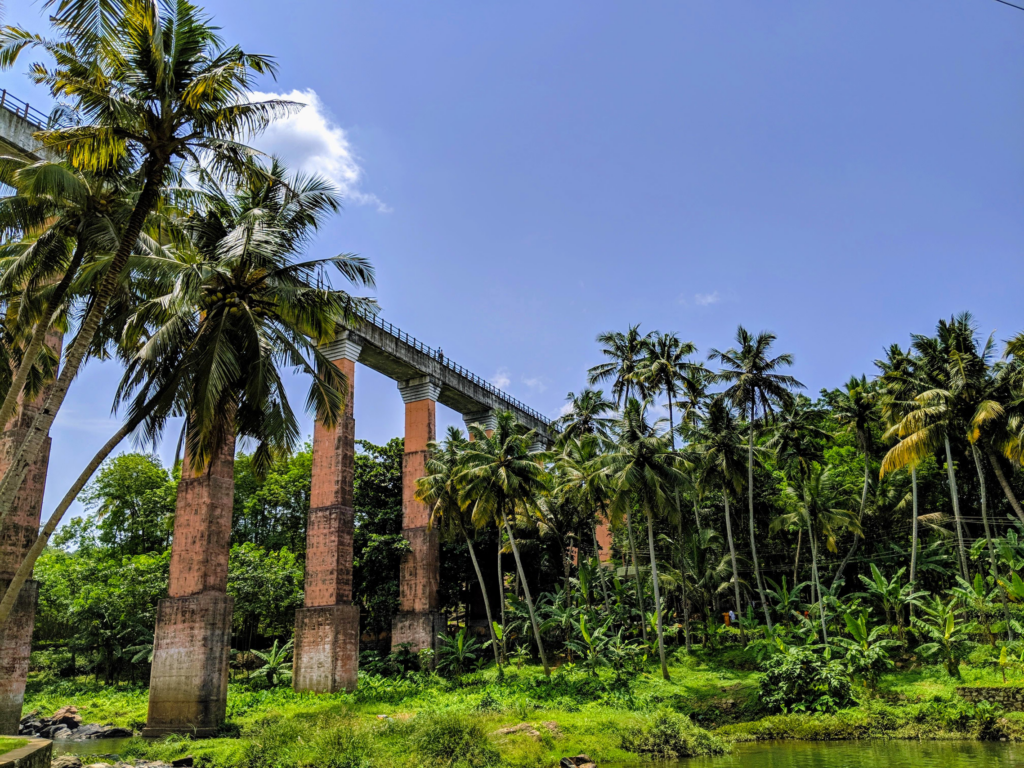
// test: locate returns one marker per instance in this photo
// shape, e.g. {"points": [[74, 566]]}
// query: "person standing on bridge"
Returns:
{"points": [[440, 355]]}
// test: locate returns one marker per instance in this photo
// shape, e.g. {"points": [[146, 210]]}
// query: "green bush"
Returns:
{"points": [[453, 740], [668, 735], [800, 680]]}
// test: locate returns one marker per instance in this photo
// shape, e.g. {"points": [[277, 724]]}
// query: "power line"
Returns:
{"points": [[1004, 2]]}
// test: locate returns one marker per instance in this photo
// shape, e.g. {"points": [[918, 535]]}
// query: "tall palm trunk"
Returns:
{"points": [[25, 569], [951, 473], [753, 532], [913, 552], [49, 316], [636, 576], [993, 459], [526, 593], [487, 602], [817, 584], [988, 537], [29, 449], [735, 570], [657, 593], [860, 518], [796, 560], [501, 595]]}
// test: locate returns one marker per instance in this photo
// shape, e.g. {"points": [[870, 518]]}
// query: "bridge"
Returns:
{"points": [[188, 683]]}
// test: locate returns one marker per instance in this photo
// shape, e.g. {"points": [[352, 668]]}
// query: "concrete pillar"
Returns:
{"points": [[487, 419], [604, 540], [17, 535], [327, 627], [418, 622], [188, 687]]}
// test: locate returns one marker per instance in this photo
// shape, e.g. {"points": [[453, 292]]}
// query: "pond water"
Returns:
{"points": [[867, 754], [89, 747]]}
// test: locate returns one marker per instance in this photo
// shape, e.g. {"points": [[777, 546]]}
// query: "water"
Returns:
{"points": [[867, 754], [89, 747]]}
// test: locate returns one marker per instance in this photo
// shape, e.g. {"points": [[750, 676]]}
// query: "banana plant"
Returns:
{"points": [[950, 638], [867, 653]]}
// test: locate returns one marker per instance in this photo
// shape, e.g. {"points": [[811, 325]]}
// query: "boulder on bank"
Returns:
{"points": [[66, 725]]}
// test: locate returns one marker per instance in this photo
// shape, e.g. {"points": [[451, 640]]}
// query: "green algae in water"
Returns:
{"points": [[866, 754]]}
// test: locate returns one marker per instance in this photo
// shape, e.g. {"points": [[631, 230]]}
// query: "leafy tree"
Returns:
{"points": [[267, 585]]}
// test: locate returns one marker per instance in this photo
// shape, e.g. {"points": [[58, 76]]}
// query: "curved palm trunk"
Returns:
{"points": [[988, 537], [951, 473], [487, 602], [753, 532], [657, 594], [526, 593], [913, 552], [993, 459], [501, 595], [860, 520], [735, 570], [28, 451], [636, 574], [25, 569], [796, 560], [817, 584], [35, 345]]}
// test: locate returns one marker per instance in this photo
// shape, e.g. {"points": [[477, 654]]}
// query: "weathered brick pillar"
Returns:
{"points": [[487, 419], [418, 622], [17, 535], [604, 539], [327, 628], [188, 686]]}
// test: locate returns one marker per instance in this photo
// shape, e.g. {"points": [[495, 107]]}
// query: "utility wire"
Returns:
{"points": [[1004, 2]]}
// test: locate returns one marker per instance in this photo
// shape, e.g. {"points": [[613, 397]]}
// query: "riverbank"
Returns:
{"points": [[528, 721]]}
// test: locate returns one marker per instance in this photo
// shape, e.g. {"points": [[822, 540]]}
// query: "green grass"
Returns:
{"points": [[418, 722], [8, 744]]}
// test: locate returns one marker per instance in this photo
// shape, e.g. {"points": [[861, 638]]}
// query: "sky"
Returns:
{"points": [[526, 175]]}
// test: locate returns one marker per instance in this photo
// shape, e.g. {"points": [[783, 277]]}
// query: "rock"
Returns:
{"points": [[183, 762], [55, 732], [552, 726], [30, 716], [90, 731], [116, 733], [525, 728], [580, 761], [29, 728], [67, 716], [66, 761]]}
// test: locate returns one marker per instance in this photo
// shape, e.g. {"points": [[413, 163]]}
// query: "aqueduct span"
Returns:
{"points": [[188, 686]]}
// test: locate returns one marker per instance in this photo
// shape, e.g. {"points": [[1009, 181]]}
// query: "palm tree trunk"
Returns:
{"points": [[600, 576], [49, 315], [29, 449], [951, 473], [817, 583], [913, 552], [988, 536], [501, 596], [25, 569], [860, 520], [796, 560], [526, 593], [487, 603], [993, 459], [636, 574], [735, 570], [657, 594], [753, 532]]}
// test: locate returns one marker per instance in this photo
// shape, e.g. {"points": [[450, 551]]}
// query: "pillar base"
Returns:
{"points": [[420, 630], [188, 689], [326, 648], [15, 647]]}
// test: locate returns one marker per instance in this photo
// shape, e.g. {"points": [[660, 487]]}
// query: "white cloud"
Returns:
{"points": [[536, 383], [565, 410], [311, 142], [501, 378], [706, 299]]}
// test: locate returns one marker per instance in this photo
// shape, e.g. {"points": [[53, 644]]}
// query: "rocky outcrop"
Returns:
{"points": [[66, 725]]}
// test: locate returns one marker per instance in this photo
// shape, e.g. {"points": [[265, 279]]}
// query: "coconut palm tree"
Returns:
{"points": [[818, 500], [501, 479], [722, 452], [625, 353], [586, 416], [755, 387], [854, 408], [645, 475], [448, 515], [666, 369], [153, 86]]}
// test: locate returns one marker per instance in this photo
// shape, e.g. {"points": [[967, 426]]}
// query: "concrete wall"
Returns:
{"points": [[1005, 697], [16, 137], [36, 754]]}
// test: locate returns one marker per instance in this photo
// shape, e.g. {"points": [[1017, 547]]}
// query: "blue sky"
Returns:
{"points": [[526, 175]]}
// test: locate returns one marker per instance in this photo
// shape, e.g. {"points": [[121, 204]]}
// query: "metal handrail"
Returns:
{"points": [[22, 109], [418, 345]]}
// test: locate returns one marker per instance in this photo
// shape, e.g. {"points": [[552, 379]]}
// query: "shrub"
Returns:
{"points": [[453, 740], [668, 735], [801, 680]]}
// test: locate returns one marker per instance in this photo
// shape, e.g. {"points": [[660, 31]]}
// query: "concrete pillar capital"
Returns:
{"points": [[487, 419], [420, 388], [346, 346]]}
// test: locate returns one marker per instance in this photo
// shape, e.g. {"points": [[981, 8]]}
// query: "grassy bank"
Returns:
{"points": [[8, 744], [427, 720]]}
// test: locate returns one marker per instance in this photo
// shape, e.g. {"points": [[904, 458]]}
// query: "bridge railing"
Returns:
{"points": [[23, 110], [434, 354]]}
